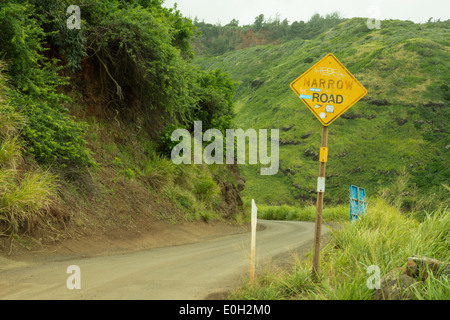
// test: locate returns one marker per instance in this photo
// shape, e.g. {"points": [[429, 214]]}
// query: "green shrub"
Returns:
{"points": [[70, 43], [165, 143], [21, 47], [124, 172], [50, 134], [216, 101], [134, 46]]}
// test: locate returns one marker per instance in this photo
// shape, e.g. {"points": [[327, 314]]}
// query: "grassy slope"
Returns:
{"points": [[400, 124]]}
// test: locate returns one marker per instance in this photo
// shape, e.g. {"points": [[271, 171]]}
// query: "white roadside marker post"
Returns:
{"points": [[253, 241]]}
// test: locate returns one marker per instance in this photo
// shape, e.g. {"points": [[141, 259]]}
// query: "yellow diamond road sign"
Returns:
{"points": [[328, 89]]}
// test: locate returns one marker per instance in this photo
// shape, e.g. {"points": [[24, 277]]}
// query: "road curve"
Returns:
{"points": [[185, 272]]}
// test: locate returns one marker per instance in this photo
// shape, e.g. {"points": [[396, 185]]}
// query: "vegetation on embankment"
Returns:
{"points": [[384, 237], [86, 116]]}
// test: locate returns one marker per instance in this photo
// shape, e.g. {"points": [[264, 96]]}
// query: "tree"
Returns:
{"points": [[297, 29], [233, 23], [259, 22]]}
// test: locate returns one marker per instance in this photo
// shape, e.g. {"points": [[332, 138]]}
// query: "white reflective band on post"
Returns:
{"points": [[320, 184]]}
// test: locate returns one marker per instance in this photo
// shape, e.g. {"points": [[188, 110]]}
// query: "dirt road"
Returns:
{"points": [[193, 271]]}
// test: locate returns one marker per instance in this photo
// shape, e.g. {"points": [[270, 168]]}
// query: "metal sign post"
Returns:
{"points": [[328, 89], [320, 194]]}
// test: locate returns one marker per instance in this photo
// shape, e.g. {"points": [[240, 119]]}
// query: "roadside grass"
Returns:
{"points": [[339, 213], [434, 289], [384, 237]]}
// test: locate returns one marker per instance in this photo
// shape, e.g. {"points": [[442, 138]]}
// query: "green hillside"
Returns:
{"points": [[398, 132]]}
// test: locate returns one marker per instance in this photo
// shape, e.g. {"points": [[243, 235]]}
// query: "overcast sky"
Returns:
{"points": [[223, 11]]}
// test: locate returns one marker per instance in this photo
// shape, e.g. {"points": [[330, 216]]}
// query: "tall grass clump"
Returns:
{"points": [[24, 204], [158, 172], [406, 196], [384, 237]]}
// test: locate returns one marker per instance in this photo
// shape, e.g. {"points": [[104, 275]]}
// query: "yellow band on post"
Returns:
{"points": [[323, 154]]}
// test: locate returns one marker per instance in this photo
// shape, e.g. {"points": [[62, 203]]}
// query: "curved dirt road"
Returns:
{"points": [[184, 272]]}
